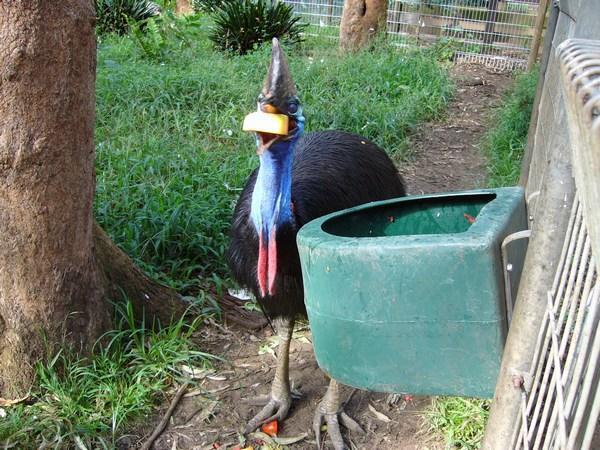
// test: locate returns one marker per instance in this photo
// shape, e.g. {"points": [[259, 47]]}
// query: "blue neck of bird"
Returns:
{"points": [[272, 196], [272, 205]]}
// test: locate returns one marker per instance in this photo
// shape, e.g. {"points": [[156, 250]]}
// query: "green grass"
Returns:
{"points": [[505, 143], [91, 399], [170, 150], [460, 420]]}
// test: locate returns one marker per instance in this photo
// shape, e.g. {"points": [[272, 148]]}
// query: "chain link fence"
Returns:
{"points": [[498, 33]]}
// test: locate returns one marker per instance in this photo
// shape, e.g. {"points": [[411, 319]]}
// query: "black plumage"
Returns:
{"points": [[332, 170]]}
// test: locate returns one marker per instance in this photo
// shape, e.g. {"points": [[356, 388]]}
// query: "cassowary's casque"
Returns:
{"points": [[299, 179]]}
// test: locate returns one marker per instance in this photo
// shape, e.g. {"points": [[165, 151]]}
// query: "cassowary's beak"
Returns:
{"points": [[272, 121]]}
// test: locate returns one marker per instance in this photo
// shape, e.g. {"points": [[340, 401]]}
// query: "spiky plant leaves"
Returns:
{"points": [[244, 25], [115, 16], [210, 6]]}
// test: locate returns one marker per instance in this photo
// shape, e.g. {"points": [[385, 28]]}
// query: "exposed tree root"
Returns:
{"points": [[123, 278]]}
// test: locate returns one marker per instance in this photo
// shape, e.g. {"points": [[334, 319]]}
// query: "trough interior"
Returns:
{"points": [[430, 215]]}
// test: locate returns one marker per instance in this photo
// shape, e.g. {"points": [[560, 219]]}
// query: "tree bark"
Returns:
{"points": [[362, 20], [54, 276]]}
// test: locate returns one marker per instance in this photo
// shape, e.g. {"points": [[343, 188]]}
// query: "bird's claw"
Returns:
{"points": [[332, 420], [275, 409]]}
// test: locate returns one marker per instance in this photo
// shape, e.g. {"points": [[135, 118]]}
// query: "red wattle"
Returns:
{"points": [[261, 268], [272, 272]]}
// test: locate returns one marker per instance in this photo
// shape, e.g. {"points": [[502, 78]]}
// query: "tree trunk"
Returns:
{"points": [[184, 7], [52, 288], [49, 284], [361, 21]]}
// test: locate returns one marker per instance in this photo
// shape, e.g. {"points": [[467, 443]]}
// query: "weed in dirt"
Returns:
{"points": [[460, 420], [505, 143], [171, 156], [85, 402]]}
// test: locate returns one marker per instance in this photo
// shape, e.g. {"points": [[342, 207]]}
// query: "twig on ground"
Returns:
{"points": [[165, 420]]}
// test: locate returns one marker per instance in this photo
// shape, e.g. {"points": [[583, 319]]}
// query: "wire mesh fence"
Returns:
{"points": [[560, 405], [558, 400], [322, 16], [493, 32]]}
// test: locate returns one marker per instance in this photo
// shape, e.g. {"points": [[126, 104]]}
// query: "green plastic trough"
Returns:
{"points": [[408, 295]]}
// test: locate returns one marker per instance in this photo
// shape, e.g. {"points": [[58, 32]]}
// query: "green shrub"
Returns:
{"points": [[114, 16], [244, 25], [165, 33], [210, 6]]}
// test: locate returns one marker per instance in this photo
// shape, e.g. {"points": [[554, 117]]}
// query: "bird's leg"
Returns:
{"points": [[279, 401], [330, 411]]}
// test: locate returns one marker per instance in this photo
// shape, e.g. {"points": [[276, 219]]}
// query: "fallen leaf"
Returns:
{"points": [[381, 416], [241, 294], [260, 436], [216, 377], [290, 440], [301, 337], [5, 402], [195, 373], [269, 346], [194, 393], [220, 389], [2, 413]]}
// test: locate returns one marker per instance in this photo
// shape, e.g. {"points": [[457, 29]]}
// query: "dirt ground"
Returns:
{"points": [[446, 159]]}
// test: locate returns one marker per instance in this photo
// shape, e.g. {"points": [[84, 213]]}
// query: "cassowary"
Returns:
{"points": [[300, 177]]}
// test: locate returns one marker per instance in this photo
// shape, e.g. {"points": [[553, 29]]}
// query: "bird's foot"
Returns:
{"points": [[278, 403], [332, 418], [276, 407]]}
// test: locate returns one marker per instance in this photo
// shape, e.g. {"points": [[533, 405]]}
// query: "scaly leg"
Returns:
{"points": [[328, 411], [279, 401]]}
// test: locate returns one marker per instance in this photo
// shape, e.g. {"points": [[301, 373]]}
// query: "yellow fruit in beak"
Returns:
{"points": [[263, 122]]}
